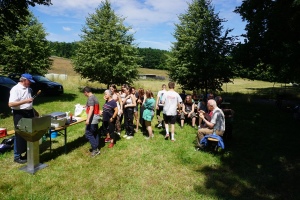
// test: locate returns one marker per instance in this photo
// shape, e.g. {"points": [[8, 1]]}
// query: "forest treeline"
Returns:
{"points": [[151, 58]]}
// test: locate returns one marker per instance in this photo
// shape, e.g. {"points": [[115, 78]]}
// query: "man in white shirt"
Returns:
{"points": [[160, 105], [171, 101], [20, 101]]}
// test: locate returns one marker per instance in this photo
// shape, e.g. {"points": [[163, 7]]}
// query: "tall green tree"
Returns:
{"points": [[106, 52], [26, 50], [271, 50], [200, 56], [13, 13]]}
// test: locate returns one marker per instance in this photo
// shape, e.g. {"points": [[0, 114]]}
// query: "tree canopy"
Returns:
{"points": [[200, 56], [106, 52], [14, 12], [271, 50], [153, 58], [26, 50]]}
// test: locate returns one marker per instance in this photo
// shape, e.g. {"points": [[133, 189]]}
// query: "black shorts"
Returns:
{"points": [[160, 108], [170, 119]]}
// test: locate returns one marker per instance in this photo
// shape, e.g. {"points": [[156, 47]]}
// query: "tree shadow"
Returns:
{"points": [[262, 159]]}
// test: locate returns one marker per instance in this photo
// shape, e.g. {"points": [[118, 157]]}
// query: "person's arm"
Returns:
{"points": [[157, 100], [182, 108], [114, 115], [91, 111], [18, 103], [133, 100], [209, 124], [120, 102]]}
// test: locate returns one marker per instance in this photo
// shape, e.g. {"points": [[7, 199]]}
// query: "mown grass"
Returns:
{"points": [[261, 161]]}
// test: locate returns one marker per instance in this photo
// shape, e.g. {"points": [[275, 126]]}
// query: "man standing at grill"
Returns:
{"points": [[20, 101]]}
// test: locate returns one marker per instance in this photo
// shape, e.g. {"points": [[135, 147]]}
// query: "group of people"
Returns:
{"points": [[124, 105]]}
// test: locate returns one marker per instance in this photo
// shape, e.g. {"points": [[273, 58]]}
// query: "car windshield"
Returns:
{"points": [[5, 80], [40, 78]]}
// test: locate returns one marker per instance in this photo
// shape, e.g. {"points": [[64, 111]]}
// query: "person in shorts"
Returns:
{"points": [[159, 105], [171, 101]]}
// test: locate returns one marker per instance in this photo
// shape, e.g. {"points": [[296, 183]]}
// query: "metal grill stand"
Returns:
{"points": [[32, 129]]}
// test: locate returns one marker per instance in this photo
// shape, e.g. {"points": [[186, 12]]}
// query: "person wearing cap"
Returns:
{"points": [[20, 101]]}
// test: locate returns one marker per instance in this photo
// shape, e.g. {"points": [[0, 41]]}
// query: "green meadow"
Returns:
{"points": [[260, 161]]}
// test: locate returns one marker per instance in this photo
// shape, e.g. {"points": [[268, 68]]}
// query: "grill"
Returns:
{"points": [[32, 129]]}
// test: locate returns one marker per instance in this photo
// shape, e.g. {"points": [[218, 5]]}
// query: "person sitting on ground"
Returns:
{"points": [[216, 124], [188, 108]]}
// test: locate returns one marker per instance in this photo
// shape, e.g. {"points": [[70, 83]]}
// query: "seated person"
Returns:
{"points": [[195, 97], [182, 95], [217, 122], [188, 108], [219, 101]]}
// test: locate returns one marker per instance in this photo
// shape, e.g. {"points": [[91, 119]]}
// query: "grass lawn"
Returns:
{"points": [[261, 161]]}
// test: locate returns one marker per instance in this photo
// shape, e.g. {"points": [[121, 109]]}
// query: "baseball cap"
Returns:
{"points": [[28, 77]]}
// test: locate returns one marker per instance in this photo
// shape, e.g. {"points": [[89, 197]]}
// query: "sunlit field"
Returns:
{"points": [[259, 162]]}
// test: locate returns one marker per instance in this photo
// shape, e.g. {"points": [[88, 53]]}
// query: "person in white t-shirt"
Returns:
{"points": [[20, 101], [159, 105], [171, 101]]}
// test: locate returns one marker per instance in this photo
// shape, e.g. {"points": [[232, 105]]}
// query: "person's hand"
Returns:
{"points": [[30, 100], [87, 121], [201, 116], [121, 111]]}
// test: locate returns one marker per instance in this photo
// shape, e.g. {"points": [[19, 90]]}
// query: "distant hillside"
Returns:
{"points": [[64, 66]]}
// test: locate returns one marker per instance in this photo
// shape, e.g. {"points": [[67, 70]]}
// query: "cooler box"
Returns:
{"points": [[58, 119]]}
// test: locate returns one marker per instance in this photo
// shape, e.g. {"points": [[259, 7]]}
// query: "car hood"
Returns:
{"points": [[51, 83], [7, 85]]}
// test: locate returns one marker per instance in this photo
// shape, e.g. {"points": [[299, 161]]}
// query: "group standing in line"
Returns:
{"points": [[130, 105]]}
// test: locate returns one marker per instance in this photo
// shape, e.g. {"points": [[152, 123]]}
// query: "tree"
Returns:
{"points": [[153, 58], [26, 50], [14, 12], [272, 47], [200, 56], [106, 53]]}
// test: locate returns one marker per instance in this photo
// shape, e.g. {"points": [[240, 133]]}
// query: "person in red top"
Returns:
{"points": [[92, 120]]}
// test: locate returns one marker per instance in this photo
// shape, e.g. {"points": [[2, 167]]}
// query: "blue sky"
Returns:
{"points": [[152, 21]]}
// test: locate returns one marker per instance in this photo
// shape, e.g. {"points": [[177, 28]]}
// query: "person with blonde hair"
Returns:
{"points": [[149, 106]]}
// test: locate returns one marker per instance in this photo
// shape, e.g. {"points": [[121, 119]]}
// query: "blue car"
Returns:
{"points": [[5, 86]]}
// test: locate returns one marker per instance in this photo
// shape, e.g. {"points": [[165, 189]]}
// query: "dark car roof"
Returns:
{"points": [[5, 81]]}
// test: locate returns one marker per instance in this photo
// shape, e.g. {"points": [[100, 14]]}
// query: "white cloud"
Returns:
{"points": [[66, 28]]}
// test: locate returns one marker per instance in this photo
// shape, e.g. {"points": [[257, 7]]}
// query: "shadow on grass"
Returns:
{"points": [[262, 160], [46, 155]]}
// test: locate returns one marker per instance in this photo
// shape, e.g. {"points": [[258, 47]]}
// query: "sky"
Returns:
{"points": [[152, 21]]}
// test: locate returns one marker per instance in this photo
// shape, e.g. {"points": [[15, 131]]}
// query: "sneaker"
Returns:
{"points": [[199, 127], [20, 160], [111, 145], [107, 140], [147, 138], [173, 139], [125, 136], [159, 125], [129, 137], [95, 152], [166, 136]]}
